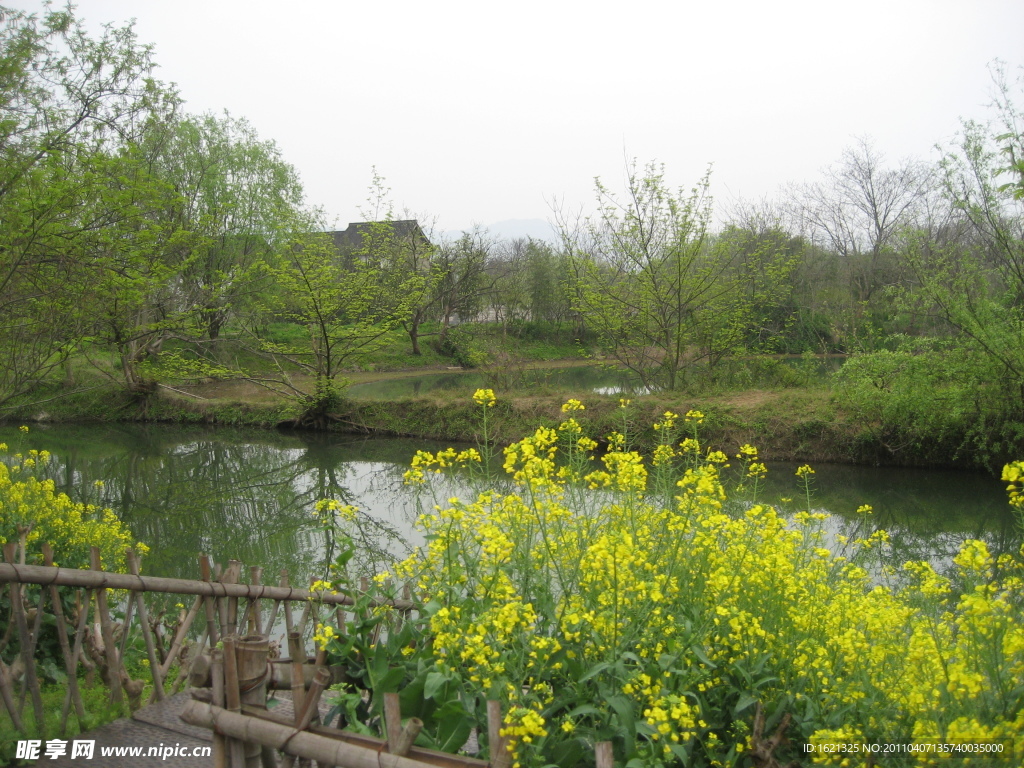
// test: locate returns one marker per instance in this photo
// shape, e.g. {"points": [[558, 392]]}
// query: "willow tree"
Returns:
{"points": [[71, 108]]}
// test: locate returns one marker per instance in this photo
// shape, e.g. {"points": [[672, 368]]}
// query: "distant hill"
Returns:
{"points": [[510, 229]]}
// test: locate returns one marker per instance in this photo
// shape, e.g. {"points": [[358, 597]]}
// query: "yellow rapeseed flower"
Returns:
{"points": [[485, 397]]}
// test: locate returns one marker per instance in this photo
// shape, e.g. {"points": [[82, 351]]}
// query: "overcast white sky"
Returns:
{"points": [[481, 112]]}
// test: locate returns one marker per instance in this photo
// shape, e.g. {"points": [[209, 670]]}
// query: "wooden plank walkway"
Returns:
{"points": [[154, 726], [157, 725]]}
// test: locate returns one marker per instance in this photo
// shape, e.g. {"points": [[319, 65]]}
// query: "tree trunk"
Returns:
{"points": [[414, 336]]}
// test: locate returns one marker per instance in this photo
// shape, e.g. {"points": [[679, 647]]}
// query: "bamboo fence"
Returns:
{"points": [[229, 667], [92, 640]]}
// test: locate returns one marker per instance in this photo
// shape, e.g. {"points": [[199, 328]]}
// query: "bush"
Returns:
{"points": [[931, 401], [32, 510]]}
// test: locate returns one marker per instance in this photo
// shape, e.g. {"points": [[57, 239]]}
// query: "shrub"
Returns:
{"points": [[31, 509]]}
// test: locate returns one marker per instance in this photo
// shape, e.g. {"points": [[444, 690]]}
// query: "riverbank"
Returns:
{"points": [[794, 424]]}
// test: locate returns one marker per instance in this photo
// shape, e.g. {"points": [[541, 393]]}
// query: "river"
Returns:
{"points": [[249, 495]]}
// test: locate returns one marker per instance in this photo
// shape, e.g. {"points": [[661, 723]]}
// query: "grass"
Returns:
{"points": [[98, 712]]}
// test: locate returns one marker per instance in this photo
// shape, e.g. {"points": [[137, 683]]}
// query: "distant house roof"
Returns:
{"points": [[355, 236]]}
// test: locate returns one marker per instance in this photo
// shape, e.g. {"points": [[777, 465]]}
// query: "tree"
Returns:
{"points": [[464, 283], [858, 211], [402, 251], [71, 108], [975, 285], [345, 305], [234, 193], [653, 286]]}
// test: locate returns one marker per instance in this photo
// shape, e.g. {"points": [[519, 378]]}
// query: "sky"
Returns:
{"points": [[476, 113]]}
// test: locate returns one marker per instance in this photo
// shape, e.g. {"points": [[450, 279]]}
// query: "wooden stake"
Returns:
{"points": [[25, 641], [603, 754], [231, 577], [179, 638], [107, 631], [210, 605], [496, 743], [217, 687], [154, 662], [70, 667]]}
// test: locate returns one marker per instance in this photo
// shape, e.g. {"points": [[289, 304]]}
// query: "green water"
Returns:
{"points": [[249, 495]]}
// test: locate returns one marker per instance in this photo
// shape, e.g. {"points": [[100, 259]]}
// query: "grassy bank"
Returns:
{"points": [[796, 424]]}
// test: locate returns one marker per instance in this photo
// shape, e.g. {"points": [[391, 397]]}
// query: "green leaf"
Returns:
{"points": [[435, 682], [583, 709], [745, 702], [698, 651], [623, 707], [453, 726], [595, 670]]}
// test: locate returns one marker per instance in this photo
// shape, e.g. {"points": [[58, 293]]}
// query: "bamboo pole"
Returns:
{"points": [[233, 697], [128, 615], [378, 746], [282, 582], [31, 680], [70, 667], [310, 708], [308, 607], [234, 570], [147, 635], [90, 579], [297, 653], [294, 742], [496, 743], [217, 689], [279, 675], [392, 721], [408, 736], [252, 652], [210, 605], [399, 739], [253, 615], [186, 668], [107, 632]]}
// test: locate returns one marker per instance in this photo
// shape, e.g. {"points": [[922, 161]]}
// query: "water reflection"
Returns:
{"points": [[580, 378], [250, 495]]}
